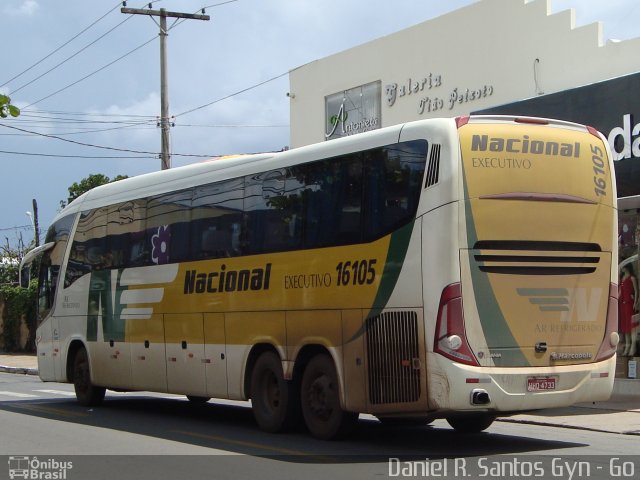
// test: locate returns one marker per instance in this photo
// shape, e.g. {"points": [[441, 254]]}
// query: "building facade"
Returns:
{"points": [[491, 53], [494, 56]]}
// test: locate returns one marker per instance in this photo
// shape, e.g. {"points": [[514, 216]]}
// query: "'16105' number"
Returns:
{"points": [[599, 179], [359, 272]]}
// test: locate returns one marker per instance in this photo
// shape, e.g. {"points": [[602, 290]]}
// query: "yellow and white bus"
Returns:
{"points": [[447, 268]]}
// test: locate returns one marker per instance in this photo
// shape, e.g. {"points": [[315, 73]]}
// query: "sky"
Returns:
{"points": [[87, 79]]}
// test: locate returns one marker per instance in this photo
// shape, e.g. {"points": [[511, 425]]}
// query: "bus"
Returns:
{"points": [[460, 268]]}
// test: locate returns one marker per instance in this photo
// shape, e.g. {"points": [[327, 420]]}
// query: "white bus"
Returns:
{"points": [[448, 268]]}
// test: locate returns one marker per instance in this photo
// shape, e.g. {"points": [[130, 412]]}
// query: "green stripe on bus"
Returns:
{"points": [[398, 246]]}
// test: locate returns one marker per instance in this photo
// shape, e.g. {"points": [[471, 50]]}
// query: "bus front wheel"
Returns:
{"points": [[471, 423], [86, 392], [320, 400], [273, 400]]}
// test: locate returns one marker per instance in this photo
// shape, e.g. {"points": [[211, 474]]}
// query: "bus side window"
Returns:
{"points": [[393, 183], [272, 208], [216, 213], [332, 193]]}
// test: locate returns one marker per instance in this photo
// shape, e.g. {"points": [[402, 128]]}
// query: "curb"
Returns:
{"points": [[19, 370], [560, 425]]}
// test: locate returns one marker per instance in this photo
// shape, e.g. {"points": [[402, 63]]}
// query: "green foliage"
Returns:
{"points": [[6, 108], [10, 263], [18, 302], [8, 271], [92, 181]]}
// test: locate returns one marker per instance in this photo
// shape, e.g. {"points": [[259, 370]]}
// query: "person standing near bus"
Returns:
{"points": [[628, 305]]}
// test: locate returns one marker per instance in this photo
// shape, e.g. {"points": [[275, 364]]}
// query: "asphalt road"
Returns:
{"points": [[135, 435]]}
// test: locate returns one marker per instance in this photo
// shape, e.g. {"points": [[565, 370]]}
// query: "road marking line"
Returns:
{"points": [[51, 410], [260, 446], [58, 392], [18, 395]]}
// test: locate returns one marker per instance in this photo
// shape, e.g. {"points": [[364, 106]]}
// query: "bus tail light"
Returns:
{"points": [[593, 132], [462, 121], [611, 337], [451, 338]]}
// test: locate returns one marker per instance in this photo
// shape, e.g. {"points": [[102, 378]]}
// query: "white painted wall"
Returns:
{"points": [[492, 43]]}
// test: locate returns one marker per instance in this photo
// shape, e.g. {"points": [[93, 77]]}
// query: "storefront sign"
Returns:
{"points": [[625, 141], [437, 99], [612, 106], [353, 111]]}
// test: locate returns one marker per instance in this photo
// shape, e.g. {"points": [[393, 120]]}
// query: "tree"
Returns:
{"points": [[18, 304], [86, 184], [6, 108]]}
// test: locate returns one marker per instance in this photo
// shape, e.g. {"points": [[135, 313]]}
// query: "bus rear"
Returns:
{"points": [[533, 322]]}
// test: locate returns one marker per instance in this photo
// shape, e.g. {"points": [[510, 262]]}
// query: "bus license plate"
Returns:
{"points": [[535, 384]]}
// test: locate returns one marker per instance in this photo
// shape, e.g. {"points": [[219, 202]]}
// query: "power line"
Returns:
{"points": [[87, 114], [60, 47], [180, 20], [82, 132], [232, 95], [17, 227], [88, 157], [229, 126], [142, 152], [68, 58], [76, 142], [92, 73]]}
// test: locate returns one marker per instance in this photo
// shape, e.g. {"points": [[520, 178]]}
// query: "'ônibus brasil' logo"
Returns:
{"points": [[226, 280]]}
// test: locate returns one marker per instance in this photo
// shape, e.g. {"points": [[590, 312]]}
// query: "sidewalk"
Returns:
{"points": [[620, 414], [24, 364]]}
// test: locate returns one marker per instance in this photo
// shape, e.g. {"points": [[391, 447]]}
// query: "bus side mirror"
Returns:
{"points": [[25, 273], [25, 264]]}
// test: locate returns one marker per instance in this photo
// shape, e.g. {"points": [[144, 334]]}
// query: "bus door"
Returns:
{"points": [[148, 365], [215, 355]]}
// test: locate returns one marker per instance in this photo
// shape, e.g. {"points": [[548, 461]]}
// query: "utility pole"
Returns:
{"points": [[36, 228], [165, 124]]}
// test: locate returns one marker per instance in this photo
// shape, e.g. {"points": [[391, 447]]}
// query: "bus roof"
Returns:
{"points": [[219, 169], [224, 168]]}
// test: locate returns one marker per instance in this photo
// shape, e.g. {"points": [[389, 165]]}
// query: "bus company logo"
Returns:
{"points": [[227, 280], [580, 303], [137, 303], [36, 469], [524, 145], [571, 356]]}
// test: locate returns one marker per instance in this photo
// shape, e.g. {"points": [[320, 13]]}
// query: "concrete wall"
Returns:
{"points": [[23, 336], [504, 50]]}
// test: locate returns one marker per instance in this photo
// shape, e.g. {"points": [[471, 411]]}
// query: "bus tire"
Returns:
{"points": [[198, 399], [474, 423], [320, 400], [273, 400], [87, 393]]}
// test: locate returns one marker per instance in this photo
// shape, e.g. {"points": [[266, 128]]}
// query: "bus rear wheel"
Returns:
{"points": [[320, 400], [474, 423], [274, 401], [87, 393]]}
